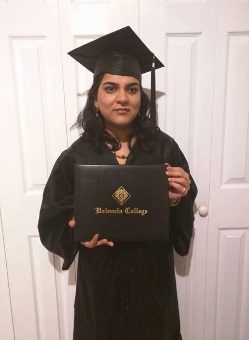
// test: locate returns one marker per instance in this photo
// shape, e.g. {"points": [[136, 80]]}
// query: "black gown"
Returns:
{"points": [[127, 292]]}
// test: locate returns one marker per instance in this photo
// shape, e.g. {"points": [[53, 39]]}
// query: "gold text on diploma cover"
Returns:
{"points": [[118, 211]]}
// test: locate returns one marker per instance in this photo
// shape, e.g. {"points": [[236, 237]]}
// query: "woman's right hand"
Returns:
{"points": [[94, 242]]}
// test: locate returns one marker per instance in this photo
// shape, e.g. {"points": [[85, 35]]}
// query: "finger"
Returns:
{"points": [[110, 244], [105, 242], [179, 189], [72, 223], [92, 243], [176, 172], [179, 180], [180, 185], [174, 169], [101, 242]]}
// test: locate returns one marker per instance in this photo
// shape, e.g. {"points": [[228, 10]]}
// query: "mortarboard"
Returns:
{"points": [[121, 52]]}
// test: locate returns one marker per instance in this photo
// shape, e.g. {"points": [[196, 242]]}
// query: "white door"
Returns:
{"points": [[227, 284], [32, 134]]}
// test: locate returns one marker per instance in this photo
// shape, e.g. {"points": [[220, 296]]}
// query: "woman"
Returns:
{"points": [[124, 290]]}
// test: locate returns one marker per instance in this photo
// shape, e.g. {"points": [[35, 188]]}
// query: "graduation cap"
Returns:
{"points": [[121, 52]]}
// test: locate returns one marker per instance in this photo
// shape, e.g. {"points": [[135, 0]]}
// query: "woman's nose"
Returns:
{"points": [[122, 96]]}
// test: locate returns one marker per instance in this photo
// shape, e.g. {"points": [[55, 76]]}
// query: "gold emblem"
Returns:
{"points": [[121, 195]]}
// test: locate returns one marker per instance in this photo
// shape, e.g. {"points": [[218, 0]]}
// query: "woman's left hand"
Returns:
{"points": [[179, 183]]}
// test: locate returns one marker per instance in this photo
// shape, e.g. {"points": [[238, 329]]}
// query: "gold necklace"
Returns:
{"points": [[120, 156]]}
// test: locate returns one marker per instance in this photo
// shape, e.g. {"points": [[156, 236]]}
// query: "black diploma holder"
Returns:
{"points": [[121, 202]]}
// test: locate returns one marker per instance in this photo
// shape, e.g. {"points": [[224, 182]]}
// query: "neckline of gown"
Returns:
{"points": [[114, 159]]}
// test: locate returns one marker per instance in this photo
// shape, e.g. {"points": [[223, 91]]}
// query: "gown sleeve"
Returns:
{"points": [[182, 215], [56, 210]]}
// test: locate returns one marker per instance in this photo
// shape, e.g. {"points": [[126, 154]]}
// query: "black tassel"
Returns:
{"points": [[153, 92]]}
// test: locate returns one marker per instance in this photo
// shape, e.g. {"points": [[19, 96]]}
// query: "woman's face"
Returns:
{"points": [[118, 100]]}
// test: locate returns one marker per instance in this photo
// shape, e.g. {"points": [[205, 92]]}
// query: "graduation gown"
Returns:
{"points": [[127, 292]]}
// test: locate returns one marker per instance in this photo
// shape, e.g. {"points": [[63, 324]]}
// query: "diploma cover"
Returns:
{"points": [[121, 202]]}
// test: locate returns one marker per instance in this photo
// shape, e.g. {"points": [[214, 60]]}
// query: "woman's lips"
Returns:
{"points": [[122, 110]]}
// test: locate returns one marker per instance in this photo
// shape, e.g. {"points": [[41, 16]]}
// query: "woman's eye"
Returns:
{"points": [[133, 90], [110, 89]]}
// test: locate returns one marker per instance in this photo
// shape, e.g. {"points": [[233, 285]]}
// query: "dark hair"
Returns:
{"points": [[93, 125]]}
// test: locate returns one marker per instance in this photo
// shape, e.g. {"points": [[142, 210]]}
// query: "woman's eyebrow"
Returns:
{"points": [[116, 84], [110, 83], [132, 84]]}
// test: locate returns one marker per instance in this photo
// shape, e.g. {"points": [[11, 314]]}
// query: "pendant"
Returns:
{"points": [[120, 156]]}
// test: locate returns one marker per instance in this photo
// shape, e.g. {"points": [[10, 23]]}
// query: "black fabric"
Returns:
{"points": [[116, 63], [127, 292], [125, 42], [153, 92], [142, 216]]}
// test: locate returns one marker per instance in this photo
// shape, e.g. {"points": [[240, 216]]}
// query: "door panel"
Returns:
{"points": [[227, 303], [6, 326]]}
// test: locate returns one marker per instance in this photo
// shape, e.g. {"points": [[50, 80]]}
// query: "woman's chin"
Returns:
{"points": [[120, 124]]}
